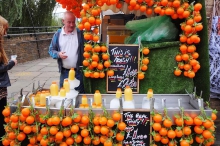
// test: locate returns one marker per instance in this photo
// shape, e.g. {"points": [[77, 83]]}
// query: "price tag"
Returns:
{"points": [[137, 132]]}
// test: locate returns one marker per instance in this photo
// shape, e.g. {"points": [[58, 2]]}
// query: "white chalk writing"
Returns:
{"points": [[134, 129]]}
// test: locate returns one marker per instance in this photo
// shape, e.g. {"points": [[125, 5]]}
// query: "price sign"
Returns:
{"points": [[125, 63], [137, 132]]}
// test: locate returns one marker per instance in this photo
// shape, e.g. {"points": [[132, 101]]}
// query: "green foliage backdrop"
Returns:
{"points": [[22, 12]]}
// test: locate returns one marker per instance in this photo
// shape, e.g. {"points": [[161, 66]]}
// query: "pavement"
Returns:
{"points": [[45, 70], [24, 75]]}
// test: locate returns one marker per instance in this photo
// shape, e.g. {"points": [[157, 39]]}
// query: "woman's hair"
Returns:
{"points": [[3, 30], [3, 56]]}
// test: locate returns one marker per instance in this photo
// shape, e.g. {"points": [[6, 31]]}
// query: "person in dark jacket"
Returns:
{"points": [[67, 47], [5, 65]]}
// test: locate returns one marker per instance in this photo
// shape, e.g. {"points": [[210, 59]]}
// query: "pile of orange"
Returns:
{"points": [[185, 131], [73, 6], [47, 129], [96, 61]]}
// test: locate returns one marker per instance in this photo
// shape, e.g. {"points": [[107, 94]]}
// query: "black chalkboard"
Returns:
{"points": [[137, 132], [125, 63]]}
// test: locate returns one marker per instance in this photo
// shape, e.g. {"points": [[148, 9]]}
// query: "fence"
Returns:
{"points": [[31, 30]]}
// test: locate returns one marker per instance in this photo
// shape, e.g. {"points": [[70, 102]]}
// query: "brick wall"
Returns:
{"points": [[28, 47], [209, 7]]}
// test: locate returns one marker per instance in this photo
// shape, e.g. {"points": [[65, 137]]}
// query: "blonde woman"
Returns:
{"points": [[5, 65]]}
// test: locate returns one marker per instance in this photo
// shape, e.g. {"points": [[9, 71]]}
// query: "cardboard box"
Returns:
{"points": [[117, 34], [116, 39], [106, 21]]}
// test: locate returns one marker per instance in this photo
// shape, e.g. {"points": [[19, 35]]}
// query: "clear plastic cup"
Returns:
{"points": [[13, 57]]}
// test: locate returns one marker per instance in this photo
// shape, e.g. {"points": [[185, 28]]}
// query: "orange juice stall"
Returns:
{"points": [[146, 80]]}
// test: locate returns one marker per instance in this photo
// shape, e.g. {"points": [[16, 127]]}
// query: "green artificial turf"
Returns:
{"points": [[159, 75], [202, 79]]}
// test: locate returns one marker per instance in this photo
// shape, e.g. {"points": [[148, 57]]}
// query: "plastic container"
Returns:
{"points": [[149, 93], [128, 105], [84, 100], [43, 99], [128, 94], [54, 89], [32, 97], [37, 98], [128, 100], [66, 85], [71, 74], [97, 98], [146, 100], [62, 92], [146, 103], [118, 93], [115, 103], [47, 93]]}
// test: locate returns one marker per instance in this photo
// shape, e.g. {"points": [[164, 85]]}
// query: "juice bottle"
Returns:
{"points": [[37, 98], [43, 99], [71, 74], [97, 98], [54, 89], [114, 103], [66, 85], [47, 93], [62, 92], [149, 93], [84, 100], [129, 102], [118, 93], [128, 94]]}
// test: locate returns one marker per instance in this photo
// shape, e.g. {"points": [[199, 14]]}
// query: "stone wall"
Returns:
{"points": [[28, 47]]}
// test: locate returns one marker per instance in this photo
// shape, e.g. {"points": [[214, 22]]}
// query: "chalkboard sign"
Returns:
{"points": [[137, 132], [125, 63]]}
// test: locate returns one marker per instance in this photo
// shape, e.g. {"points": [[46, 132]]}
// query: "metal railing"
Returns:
{"points": [[30, 30]]}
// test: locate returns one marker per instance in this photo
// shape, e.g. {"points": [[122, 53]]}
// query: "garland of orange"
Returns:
{"points": [[89, 13]]}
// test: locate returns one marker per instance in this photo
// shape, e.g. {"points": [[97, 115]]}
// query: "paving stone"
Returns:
{"points": [[35, 68], [53, 64], [18, 68], [43, 64], [50, 69]]}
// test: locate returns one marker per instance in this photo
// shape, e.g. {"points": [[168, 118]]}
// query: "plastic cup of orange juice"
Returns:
{"points": [[13, 57]]}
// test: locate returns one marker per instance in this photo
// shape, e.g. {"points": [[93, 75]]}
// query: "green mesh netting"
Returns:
{"points": [[152, 29]]}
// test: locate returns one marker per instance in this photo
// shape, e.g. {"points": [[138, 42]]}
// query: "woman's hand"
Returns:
{"points": [[15, 61]]}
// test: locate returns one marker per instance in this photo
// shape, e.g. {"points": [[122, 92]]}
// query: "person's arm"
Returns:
{"points": [[4, 68], [53, 48]]}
